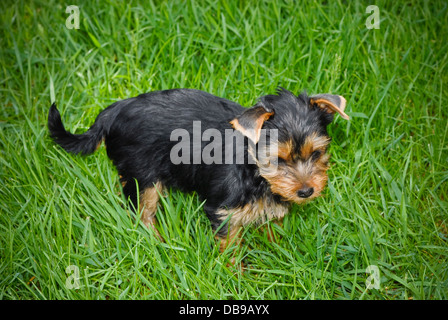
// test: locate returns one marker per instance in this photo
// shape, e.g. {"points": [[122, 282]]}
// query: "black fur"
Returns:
{"points": [[297, 114], [137, 134]]}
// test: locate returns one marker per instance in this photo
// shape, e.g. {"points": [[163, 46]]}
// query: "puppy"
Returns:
{"points": [[249, 164]]}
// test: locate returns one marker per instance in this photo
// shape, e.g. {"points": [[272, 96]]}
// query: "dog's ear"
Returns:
{"points": [[249, 123], [330, 103]]}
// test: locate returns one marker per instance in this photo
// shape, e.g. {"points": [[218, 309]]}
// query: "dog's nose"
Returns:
{"points": [[305, 192]]}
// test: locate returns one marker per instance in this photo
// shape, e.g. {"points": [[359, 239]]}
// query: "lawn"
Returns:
{"points": [[379, 232]]}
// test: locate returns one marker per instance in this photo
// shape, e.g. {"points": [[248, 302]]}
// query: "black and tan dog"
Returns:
{"points": [[138, 134]]}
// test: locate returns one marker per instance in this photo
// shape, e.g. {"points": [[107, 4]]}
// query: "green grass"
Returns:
{"points": [[386, 203]]}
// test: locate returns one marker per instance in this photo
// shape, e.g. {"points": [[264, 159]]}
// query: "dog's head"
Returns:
{"points": [[289, 141]]}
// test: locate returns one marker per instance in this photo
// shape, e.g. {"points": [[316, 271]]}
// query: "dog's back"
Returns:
{"points": [[137, 133], [143, 115]]}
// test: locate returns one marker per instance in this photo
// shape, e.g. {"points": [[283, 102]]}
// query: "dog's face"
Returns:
{"points": [[295, 163]]}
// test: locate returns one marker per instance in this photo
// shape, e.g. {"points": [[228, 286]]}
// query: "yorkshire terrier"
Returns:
{"points": [[185, 139]]}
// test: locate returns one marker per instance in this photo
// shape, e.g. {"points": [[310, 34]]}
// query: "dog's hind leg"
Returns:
{"points": [[149, 199]]}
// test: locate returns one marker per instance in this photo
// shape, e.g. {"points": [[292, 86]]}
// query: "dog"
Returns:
{"points": [[142, 138]]}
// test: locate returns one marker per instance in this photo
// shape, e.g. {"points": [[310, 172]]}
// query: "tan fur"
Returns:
{"points": [[285, 150], [148, 203], [99, 144], [286, 180], [258, 211], [312, 143], [232, 238], [255, 132], [330, 107]]}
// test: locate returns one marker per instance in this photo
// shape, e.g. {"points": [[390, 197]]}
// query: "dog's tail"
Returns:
{"points": [[85, 143]]}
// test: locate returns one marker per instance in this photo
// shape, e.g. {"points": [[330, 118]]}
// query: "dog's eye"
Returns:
{"points": [[316, 155]]}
